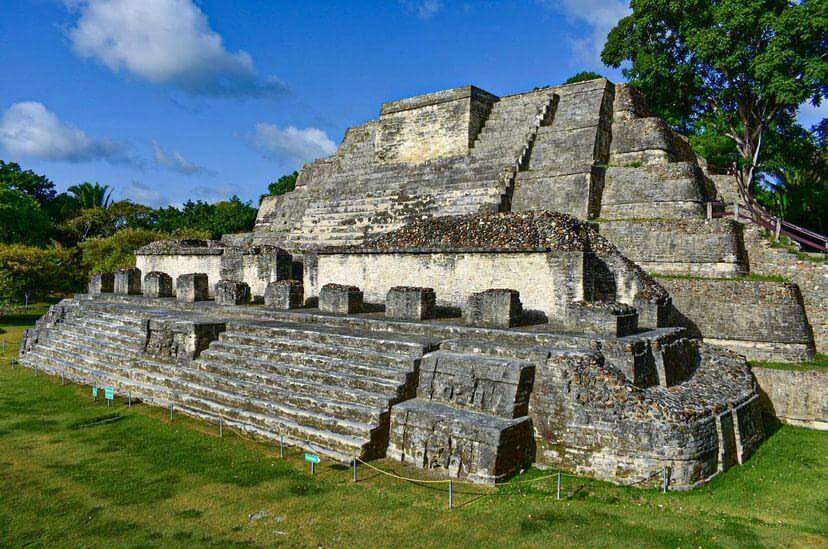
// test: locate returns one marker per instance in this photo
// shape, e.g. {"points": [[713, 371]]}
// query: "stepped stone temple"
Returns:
{"points": [[471, 284]]}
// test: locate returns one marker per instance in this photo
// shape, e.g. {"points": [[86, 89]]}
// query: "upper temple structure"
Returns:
{"points": [[471, 284]]}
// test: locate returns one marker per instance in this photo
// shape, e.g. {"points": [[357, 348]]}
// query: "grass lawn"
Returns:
{"points": [[76, 473], [819, 363]]}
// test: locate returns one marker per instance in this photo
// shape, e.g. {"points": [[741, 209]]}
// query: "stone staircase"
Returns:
{"points": [[319, 388]]}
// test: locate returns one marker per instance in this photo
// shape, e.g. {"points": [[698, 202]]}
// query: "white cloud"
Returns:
{"points": [[144, 194], [291, 143], [424, 9], [599, 15], [165, 42], [174, 161], [30, 129]]}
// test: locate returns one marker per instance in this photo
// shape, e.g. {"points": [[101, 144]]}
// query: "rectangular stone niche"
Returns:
{"points": [[102, 284], [340, 299], [180, 340], [410, 303], [192, 287], [285, 294], [128, 281]]}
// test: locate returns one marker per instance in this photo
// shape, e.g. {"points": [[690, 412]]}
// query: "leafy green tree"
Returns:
{"points": [[107, 254], [582, 76], [283, 185], [91, 195], [229, 216], [743, 65], [37, 186], [28, 272], [22, 220]]}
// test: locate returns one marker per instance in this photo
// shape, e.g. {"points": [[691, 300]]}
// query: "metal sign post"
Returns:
{"points": [[109, 394], [313, 459]]}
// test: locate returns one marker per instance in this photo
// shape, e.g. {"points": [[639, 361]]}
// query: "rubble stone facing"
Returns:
{"points": [[340, 299], [495, 308], [103, 283], [285, 294], [180, 340], [232, 292], [763, 320], [192, 287], [410, 303], [158, 284], [128, 281], [796, 397]]}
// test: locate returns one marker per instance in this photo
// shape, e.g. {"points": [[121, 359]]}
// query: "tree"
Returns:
{"points": [[28, 272], [229, 216], [91, 195], [742, 65], [37, 186], [582, 76], [22, 220], [283, 185], [107, 254]]}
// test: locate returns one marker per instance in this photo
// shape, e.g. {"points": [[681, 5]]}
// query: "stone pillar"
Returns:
{"points": [[192, 287], [103, 283], [285, 294], [158, 284], [495, 308], [232, 292], [410, 303], [340, 299], [128, 281]]}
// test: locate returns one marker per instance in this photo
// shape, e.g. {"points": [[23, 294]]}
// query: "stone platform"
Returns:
{"points": [[333, 383]]}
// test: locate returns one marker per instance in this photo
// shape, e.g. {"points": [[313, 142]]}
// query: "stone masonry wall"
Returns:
{"points": [[686, 246], [546, 281], [762, 320], [810, 276], [177, 264], [430, 126], [795, 397]]}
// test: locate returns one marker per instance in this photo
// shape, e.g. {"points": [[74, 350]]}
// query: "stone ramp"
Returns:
{"points": [[319, 388]]}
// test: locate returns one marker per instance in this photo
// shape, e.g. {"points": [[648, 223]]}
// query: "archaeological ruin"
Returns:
{"points": [[472, 284]]}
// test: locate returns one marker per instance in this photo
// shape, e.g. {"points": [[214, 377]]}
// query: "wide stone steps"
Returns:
{"points": [[289, 407], [377, 385], [389, 343]]}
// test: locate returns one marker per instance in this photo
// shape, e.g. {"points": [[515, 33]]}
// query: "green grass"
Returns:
{"points": [[750, 276], [74, 473], [819, 363]]}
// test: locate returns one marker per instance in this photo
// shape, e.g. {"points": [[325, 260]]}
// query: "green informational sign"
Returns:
{"points": [[94, 392], [109, 393], [311, 458]]}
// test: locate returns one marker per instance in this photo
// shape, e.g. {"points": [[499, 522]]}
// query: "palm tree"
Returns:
{"points": [[91, 195]]}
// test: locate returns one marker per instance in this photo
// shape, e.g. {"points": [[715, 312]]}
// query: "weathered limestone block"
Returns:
{"points": [[629, 103], [158, 284], [128, 281], [232, 292], [340, 299], [495, 308], [192, 287], [497, 386], [410, 303], [103, 283], [478, 447], [285, 294], [796, 397], [602, 317], [180, 340]]}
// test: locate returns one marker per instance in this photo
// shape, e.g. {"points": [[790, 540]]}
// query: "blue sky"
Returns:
{"points": [[172, 99]]}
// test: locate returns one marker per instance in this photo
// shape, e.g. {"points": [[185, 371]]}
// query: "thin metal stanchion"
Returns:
{"points": [[62, 377], [221, 427], [282, 446], [171, 411], [355, 469], [129, 399], [313, 467], [558, 490], [451, 494], [665, 479]]}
